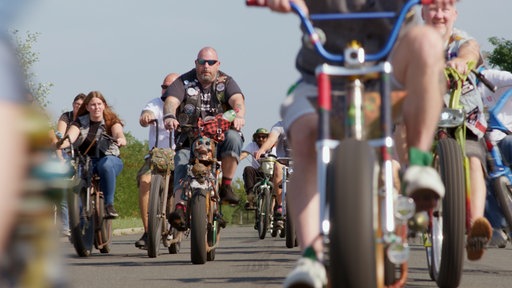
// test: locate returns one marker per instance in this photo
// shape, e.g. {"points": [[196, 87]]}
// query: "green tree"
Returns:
{"points": [[501, 55], [27, 57]]}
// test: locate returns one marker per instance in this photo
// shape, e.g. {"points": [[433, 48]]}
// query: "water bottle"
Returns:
{"points": [[229, 115]]}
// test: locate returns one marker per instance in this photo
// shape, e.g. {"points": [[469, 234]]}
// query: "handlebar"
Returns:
{"points": [[340, 58]]}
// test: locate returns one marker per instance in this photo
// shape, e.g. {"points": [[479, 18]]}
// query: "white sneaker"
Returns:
{"points": [[499, 239], [424, 185], [307, 273]]}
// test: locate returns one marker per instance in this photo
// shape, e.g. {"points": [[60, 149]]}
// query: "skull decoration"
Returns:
{"points": [[203, 149]]}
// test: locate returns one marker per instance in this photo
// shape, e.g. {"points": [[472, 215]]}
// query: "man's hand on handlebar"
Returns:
{"points": [[171, 124], [283, 6]]}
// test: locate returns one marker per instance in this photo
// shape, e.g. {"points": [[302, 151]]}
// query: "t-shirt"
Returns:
{"points": [[251, 148], [282, 147], [156, 106], [503, 80]]}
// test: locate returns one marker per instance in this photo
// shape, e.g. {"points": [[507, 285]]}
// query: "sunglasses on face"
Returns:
{"points": [[204, 61], [261, 137], [164, 86]]}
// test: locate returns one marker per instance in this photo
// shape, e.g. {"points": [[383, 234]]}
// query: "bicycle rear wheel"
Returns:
{"points": [[155, 214], [81, 222], [503, 192], [448, 223], [353, 260], [198, 226], [290, 238], [104, 233]]}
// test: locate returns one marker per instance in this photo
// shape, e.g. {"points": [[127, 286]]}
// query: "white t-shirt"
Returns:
{"points": [[251, 148], [503, 80], [157, 107]]}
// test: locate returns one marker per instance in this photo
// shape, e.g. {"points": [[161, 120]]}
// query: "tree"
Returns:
{"points": [[28, 58], [500, 56]]}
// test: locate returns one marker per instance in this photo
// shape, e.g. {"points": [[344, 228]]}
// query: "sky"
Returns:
{"points": [[124, 48]]}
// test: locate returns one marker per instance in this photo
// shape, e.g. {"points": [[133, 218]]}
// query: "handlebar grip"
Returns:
{"points": [[484, 80], [254, 3]]}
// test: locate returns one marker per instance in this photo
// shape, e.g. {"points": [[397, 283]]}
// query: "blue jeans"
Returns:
{"points": [[108, 168], [231, 146], [64, 215]]}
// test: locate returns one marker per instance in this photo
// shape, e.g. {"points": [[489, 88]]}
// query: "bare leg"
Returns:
{"points": [[304, 198], [418, 64], [229, 165], [144, 186], [478, 189], [277, 177]]}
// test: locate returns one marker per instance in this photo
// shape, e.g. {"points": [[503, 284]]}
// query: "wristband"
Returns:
{"points": [[169, 115]]}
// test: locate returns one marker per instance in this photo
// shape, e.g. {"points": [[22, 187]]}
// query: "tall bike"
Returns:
{"points": [[160, 201], [363, 221], [201, 189], [86, 207], [264, 190], [444, 239]]}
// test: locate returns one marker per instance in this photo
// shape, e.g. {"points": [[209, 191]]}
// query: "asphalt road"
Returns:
{"points": [[243, 260]]}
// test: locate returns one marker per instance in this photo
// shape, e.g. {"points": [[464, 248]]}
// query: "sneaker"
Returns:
{"points": [[141, 243], [479, 235], [227, 195], [424, 185], [307, 273], [111, 213], [65, 233], [499, 239], [249, 204], [177, 218]]}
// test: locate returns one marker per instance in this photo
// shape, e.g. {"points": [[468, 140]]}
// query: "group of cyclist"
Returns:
{"points": [[418, 59]]}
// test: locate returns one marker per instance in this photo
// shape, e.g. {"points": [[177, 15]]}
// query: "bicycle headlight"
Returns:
{"points": [[267, 167], [451, 118]]}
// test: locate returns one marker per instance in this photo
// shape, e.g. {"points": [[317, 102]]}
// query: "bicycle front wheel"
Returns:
{"points": [[502, 190], [81, 222], [155, 215], [198, 226], [350, 190], [104, 233], [263, 212], [448, 223]]}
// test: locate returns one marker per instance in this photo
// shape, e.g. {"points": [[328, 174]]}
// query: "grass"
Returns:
{"points": [[127, 222]]}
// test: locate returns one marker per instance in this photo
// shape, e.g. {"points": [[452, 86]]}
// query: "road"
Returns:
{"points": [[243, 260]]}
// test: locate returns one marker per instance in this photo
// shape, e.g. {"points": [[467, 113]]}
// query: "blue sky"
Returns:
{"points": [[124, 48]]}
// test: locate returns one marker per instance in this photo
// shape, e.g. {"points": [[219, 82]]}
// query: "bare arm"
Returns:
{"points": [[118, 134], [238, 103], [12, 167], [243, 155], [171, 105]]}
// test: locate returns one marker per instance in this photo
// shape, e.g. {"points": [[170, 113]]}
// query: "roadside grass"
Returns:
{"points": [[126, 222]]}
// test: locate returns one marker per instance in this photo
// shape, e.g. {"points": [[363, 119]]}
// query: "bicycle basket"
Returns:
{"points": [[162, 159], [267, 165]]}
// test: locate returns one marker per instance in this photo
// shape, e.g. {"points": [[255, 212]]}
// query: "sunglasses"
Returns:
{"points": [[164, 86], [204, 61], [261, 137]]}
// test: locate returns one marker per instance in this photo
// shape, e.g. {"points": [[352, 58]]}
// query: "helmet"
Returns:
{"points": [[259, 131]]}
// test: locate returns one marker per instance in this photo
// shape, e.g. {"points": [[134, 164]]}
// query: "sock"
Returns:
{"points": [[310, 253], [419, 157], [226, 181]]}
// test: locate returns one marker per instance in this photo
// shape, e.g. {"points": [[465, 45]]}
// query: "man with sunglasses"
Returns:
{"points": [[153, 110], [201, 92]]}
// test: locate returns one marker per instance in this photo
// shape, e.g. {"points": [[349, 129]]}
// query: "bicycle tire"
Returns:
{"points": [[503, 192], [447, 249], [104, 233], [290, 237], [263, 212], [353, 259], [81, 225], [198, 229], [155, 221]]}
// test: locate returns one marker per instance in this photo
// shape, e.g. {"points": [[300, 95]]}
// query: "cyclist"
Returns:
{"points": [[461, 49], [93, 117], [417, 68], [204, 91], [153, 110], [277, 139], [63, 123], [252, 174]]}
